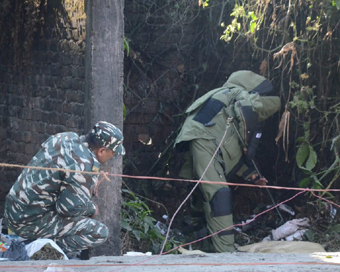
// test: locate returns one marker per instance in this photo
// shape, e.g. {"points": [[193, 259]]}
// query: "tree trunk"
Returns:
{"points": [[104, 100]]}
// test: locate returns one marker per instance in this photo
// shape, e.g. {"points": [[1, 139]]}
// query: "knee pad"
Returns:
{"points": [[221, 203]]}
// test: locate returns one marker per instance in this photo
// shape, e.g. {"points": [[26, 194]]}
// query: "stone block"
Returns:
{"points": [[14, 135], [37, 114], [66, 82], [55, 70], [67, 107], [26, 136], [24, 125], [38, 126], [63, 118], [72, 122], [29, 149], [51, 129], [72, 96], [78, 109], [25, 114], [13, 123]]}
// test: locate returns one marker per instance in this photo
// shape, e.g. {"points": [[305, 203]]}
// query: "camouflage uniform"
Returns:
{"points": [[57, 204], [201, 134]]}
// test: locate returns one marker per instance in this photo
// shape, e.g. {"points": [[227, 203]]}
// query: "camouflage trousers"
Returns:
{"points": [[72, 234]]}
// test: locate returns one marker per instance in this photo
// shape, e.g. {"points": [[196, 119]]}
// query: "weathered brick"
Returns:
{"points": [[52, 92], [24, 124], [26, 136], [38, 126], [77, 85], [29, 149], [13, 123], [50, 104], [25, 113], [72, 96], [2, 135], [78, 109], [15, 146], [52, 117], [72, 122], [61, 128], [51, 129], [43, 45], [53, 45], [75, 34], [33, 102], [38, 138], [55, 70], [15, 100], [37, 114]]}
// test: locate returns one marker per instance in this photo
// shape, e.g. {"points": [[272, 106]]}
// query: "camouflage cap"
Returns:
{"points": [[109, 136]]}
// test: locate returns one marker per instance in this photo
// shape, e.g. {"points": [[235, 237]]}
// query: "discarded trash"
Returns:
{"points": [[53, 267], [190, 252], [290, 228], [3, 247], [12, 247], [45, 249], [250, 223], [332, 212], [287, 209], [15, 252], [162, 227], [133, 253], [282, 247], [297, 236]]}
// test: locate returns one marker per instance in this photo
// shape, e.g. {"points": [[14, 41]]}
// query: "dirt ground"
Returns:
{"points": [[217, 262]]}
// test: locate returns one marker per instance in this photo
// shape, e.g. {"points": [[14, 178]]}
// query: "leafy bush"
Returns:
{"points": [[141, 227]]}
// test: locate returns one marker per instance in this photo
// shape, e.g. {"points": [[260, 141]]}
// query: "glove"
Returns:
{"points": [[258, 180]]}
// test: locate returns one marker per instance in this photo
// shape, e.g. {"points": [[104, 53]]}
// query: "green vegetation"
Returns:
{"points": [[142, 229], [297, 42]]}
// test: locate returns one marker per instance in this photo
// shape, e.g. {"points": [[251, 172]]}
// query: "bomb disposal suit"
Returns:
{"points": [[240, 104]]}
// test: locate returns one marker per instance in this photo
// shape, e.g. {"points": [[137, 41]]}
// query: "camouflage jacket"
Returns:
{"points": [[39, 191]]}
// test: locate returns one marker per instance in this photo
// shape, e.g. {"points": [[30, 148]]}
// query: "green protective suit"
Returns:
{"points": [[242, 100]]}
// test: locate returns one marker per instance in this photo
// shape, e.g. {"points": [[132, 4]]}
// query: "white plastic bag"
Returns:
{"points": [[290, 228], [36, 245]]}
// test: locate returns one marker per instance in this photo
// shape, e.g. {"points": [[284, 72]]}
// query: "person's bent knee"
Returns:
{"points": [[100, 235], [221, 203], [104, 233], [221, 210]]}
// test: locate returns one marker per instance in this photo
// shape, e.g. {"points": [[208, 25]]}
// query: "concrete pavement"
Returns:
{"points": [[217, 262]]}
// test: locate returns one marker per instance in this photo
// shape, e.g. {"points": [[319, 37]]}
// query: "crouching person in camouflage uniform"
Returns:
{"points": [[55, 204]]}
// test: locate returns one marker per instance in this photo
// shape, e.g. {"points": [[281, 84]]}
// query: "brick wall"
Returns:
{"points": [[46, 96], [173, 60]]}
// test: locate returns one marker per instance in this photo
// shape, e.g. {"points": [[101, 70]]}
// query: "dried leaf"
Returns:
{"points": [[263, 67], [304, 76], [284, 132]]}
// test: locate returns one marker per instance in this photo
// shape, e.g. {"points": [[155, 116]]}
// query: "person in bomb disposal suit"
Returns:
{"points": [[56, 204], [238, 108]]}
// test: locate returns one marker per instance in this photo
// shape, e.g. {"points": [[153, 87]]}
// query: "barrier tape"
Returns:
{"points": [[171, 179], [105, 175]]}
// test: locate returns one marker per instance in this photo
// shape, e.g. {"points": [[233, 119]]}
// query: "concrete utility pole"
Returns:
{"points": [[104, 91]]}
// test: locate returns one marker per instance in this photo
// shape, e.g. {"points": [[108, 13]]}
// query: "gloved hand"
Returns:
{"points": [[255, 179]]}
